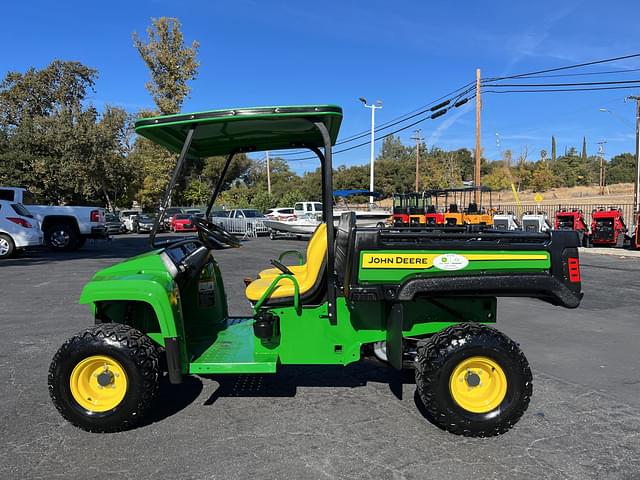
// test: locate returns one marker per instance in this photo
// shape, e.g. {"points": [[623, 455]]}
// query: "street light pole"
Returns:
{"points": [[268, 174], [373, 106], [602, 172]]}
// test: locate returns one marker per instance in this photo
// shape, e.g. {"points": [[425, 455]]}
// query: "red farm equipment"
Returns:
{"points": [[573, 220], [608, 228]]}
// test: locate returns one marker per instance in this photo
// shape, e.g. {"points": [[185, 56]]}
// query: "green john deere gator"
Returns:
{"points": [[424, 297]]}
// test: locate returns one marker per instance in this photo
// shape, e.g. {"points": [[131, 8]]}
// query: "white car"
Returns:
{"points": [[280, 214], [18, 229]]}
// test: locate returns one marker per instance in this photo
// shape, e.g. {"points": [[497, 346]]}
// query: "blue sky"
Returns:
{"points": [[405, 53]]}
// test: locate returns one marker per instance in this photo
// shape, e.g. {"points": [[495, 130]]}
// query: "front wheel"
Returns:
{"points": [[473, 380], [105, 378]]}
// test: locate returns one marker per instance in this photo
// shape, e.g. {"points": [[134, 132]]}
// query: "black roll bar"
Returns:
{"points": [[327, 201], [172, 183]]}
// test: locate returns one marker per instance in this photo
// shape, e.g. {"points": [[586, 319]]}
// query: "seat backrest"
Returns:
{"points": [[345, 226], [317, 244], [316, 255]]}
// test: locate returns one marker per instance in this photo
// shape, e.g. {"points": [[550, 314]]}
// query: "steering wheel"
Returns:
{"points": [[214, 236], [281, 266]]}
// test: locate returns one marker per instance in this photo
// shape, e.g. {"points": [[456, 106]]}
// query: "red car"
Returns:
{"points": [[182, 222]]}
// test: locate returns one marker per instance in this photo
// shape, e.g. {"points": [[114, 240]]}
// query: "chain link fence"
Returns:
{"points": [[550, 210]]}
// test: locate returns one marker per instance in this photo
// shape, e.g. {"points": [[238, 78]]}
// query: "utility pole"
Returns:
{"points": [[636, 186], [373, 107], [602, 175], [418, 138], [476, 180], [268, 174]]}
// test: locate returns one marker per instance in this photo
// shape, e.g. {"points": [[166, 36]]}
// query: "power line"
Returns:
{"points": [[562, 89], [567, 67], [577, 84], [609, 72], [430, 117], [402, 118]]}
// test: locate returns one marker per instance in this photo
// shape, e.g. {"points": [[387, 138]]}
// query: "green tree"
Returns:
{"points": [[55, 143], [553, 148], [583, 155], [197, 192], [238, 169], [543, 178], [621, 169], [171, 64], [291, 197], [262, 201], [497, 179]]}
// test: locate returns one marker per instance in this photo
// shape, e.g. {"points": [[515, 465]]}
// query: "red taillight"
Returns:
{"points": [[19, 221], [95, 215], [574, 270]]}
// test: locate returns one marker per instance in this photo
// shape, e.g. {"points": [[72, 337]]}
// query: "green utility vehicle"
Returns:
{"points": [[414, 296]]}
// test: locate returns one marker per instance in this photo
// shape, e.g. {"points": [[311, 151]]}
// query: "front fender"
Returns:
{"points": [[163, 297]]}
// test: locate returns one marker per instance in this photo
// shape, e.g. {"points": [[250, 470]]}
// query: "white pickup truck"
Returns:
{"points": [[65, 228]]}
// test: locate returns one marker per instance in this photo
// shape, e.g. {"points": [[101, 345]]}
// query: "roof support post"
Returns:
{"points": [[218, 188], [172, 183], [327, 201]]}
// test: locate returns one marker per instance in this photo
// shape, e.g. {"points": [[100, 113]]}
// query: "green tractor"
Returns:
{"points": [[424, 298]]}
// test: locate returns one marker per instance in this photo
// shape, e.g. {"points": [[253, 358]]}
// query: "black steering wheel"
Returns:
{"points": [[214, 236], [281, 266]]}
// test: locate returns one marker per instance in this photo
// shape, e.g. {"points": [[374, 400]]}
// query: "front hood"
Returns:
{"points": [[148, 262]]}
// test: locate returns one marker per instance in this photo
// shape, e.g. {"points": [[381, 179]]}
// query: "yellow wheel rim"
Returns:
{"points": [[478, 384], [98, 383]]}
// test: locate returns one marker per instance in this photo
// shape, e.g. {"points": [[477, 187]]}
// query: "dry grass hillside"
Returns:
{"points": [[621, 193]]}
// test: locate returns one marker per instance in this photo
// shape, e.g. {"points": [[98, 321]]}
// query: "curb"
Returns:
{"points": [[612, 252]]}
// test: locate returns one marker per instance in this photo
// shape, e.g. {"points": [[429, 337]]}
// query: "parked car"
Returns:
{"points": [[169, 214], [18, 229], [65, 228], [144, 223], [280, 214], [127, 217], [114, 224], [182, 223], [195, 212]]}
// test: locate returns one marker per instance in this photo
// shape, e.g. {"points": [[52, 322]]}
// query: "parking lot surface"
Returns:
{"points": [[324, 422]]}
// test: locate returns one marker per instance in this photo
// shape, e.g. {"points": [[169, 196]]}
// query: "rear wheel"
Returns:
{"points": [[106, 378], [473, 380], [61, 237], [7, 246]]}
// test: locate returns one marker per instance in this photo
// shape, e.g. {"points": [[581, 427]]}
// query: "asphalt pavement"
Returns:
{"points": [[324, 422]]}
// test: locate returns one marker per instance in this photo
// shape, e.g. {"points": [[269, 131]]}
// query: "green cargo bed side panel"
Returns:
{"points": [[396, 266]]}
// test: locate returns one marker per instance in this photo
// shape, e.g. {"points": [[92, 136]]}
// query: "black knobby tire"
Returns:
{"points": [[62, 237], [140, 359], [7, 246], [437, 358]]}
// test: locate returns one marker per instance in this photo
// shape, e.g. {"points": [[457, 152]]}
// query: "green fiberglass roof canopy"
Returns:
{"points": [[221, 132]]}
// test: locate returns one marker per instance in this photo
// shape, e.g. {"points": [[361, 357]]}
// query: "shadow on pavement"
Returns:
{"points": [[174, 398], [285, 383]]}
